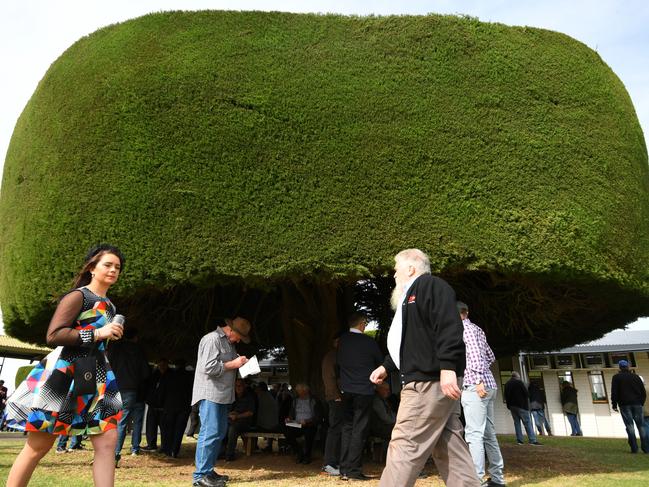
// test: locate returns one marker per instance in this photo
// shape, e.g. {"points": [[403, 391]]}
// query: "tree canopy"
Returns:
{"points": [[230, 151]]}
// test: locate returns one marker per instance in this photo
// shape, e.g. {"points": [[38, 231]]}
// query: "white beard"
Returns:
{"points": [[395, 297]]}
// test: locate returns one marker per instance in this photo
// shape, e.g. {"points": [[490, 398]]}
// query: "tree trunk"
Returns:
{"points": [[310, 318]]}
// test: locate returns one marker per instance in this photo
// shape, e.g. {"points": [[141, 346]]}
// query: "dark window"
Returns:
{"points": [[536, 377], [538, 362], [565, 361], [593, 360], [617, 356]]}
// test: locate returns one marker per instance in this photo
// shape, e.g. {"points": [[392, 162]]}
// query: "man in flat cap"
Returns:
{"points": [[216, 373]]}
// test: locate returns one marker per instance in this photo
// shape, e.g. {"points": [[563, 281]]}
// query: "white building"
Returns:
{"points": [[590, 367]]}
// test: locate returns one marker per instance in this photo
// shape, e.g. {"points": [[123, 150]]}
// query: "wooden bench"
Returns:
{"points": [[248, 435]]}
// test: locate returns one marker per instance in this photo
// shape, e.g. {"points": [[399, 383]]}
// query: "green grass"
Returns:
{"points": [[561, 462]]}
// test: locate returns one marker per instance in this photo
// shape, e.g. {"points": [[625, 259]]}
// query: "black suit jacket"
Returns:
{"points": [[358, 355], [516, 394], [432, 332]]}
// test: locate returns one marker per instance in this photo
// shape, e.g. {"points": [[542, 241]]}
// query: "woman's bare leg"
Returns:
{"points": [[36, 447], [103, 467]]}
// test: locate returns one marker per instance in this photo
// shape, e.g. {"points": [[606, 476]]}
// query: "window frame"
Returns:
{"points": [[573, 364], [561, 377], [600, 373]]}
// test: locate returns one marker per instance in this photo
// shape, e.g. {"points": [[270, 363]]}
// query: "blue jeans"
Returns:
{"points": [[480, 432], [63, 440], [631, 415], [132, 410], [523, 415], [541, 421], [574, 424], [214, 427]]}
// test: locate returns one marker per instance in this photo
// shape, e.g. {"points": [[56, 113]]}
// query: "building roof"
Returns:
{"points": [[13, 348], [615, 341]]}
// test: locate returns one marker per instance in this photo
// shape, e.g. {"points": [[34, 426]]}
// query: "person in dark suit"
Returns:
{"points": [[518, 403], [132, 371], [358, 355], [537, 403], [334, 400], [156, 387], [425, 345], [176, 407]]}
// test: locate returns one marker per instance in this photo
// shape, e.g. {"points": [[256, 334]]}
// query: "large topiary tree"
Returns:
{"points": [[262, 163]]}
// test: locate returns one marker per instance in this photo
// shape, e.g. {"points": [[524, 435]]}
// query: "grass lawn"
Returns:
{"points": [[560, 462]]}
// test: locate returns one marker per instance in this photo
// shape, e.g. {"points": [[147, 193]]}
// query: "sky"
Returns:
{"points": [[34, 33]]}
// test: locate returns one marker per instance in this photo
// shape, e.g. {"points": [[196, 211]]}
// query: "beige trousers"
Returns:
{"points": [[428, 423]]}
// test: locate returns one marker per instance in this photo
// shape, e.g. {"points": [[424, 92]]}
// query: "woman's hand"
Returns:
{"points": [[112, 331]]}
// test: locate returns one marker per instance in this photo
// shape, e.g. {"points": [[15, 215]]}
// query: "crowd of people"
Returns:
{"points": [[438, 359]]}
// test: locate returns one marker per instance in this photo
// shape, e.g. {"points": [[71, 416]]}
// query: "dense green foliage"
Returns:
{"points": [[224, 147]]}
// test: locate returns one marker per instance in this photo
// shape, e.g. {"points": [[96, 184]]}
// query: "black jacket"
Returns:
{"points": [[178, 391], [537, 397], [157, 386], [432, 332], [627, 389], [516, 394], [358, 355], [129, 364]]}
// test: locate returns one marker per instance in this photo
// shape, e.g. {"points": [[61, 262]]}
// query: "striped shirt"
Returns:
{"points": [[211, 380], [479, 357]]}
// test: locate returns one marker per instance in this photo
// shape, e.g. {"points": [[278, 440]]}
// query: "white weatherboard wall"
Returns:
{"points": [[503, 419], [597, 420]]}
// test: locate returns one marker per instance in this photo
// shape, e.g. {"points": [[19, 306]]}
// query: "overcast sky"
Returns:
{"points": [[33, 33]]}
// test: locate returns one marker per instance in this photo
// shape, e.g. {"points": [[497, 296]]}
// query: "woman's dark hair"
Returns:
{"points": [[92, 258]]}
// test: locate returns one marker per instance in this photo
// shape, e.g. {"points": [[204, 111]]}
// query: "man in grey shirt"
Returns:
{"points": [[216, 372]]}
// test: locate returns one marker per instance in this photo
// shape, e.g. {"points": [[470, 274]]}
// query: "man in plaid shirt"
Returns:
{"points": [[478, 398]]}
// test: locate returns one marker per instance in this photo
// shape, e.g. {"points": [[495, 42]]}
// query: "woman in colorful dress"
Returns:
{"points": [[45, 405]]}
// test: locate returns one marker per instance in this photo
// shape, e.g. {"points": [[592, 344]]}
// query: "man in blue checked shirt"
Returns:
{"points": [[478, 396]]}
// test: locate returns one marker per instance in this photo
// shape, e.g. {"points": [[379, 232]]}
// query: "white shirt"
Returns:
{"points": [[394, 335], [303, 409], [355, 330]]}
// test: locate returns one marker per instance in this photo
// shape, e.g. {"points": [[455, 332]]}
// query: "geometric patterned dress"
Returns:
{"points": [[44, 401]]}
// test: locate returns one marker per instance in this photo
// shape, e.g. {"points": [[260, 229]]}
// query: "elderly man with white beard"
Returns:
{"points": [[425, 345]]}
